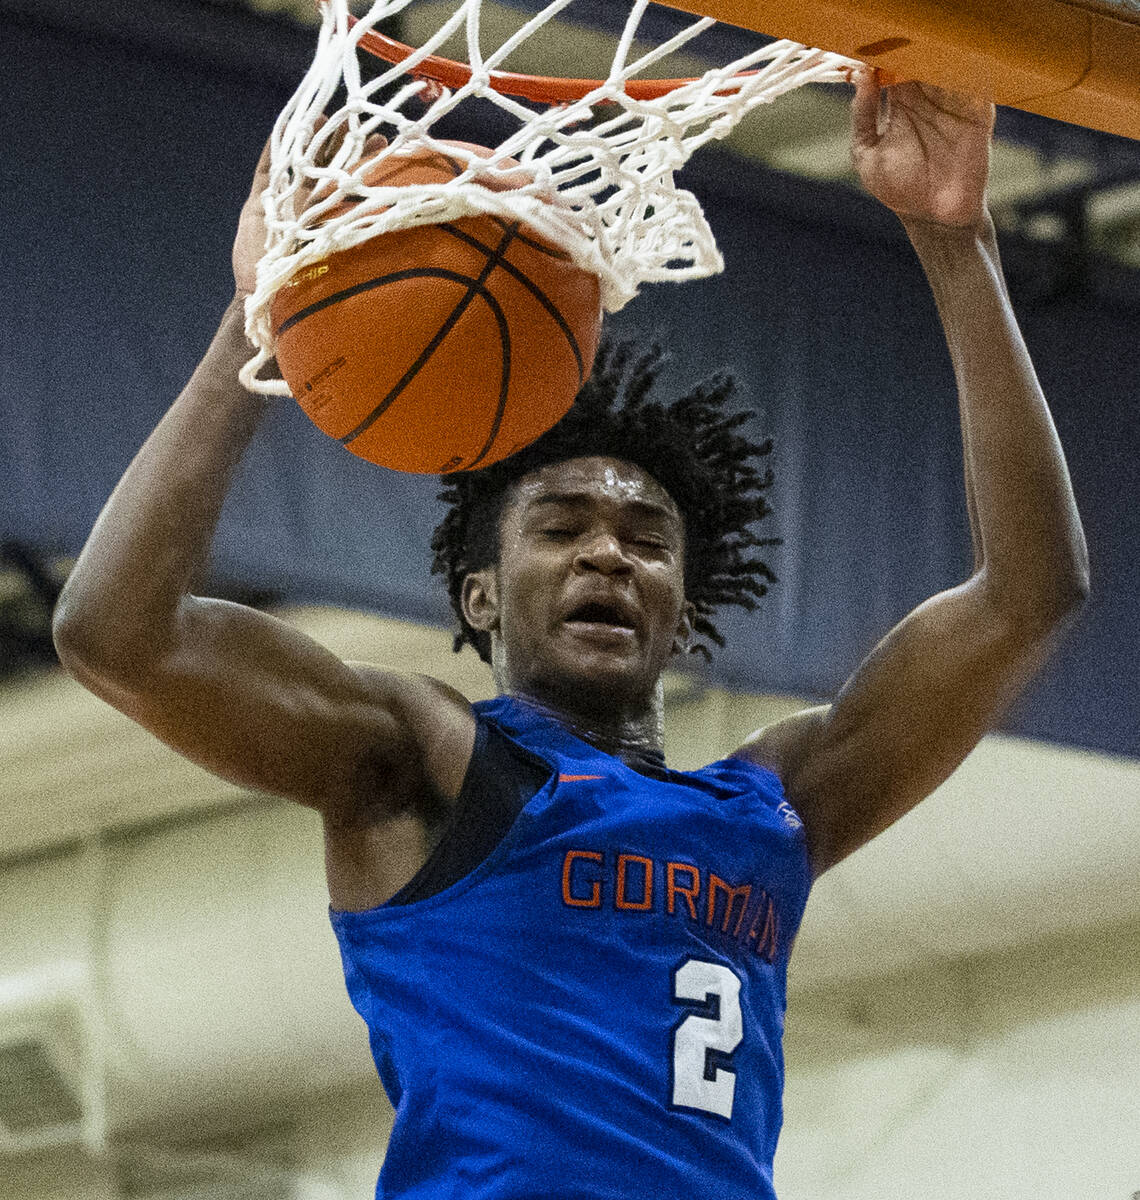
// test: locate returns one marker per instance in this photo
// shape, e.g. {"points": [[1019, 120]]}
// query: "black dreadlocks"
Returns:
{"points": [[690, 447]]}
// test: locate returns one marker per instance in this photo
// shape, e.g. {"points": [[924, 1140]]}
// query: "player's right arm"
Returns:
{"points": [[241, 693], [238, 691]]}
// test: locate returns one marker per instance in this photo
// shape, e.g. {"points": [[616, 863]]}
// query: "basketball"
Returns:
{"points": [[442, 347]]}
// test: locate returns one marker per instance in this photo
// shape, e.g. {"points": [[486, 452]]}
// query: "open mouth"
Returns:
{"points": [[600, 617]]}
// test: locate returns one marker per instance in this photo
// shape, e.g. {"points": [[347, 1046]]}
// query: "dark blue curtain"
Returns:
{"points": [[127, 150]]}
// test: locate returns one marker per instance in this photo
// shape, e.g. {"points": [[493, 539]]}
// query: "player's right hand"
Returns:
{"points": [[249, 243], [928, 155]]}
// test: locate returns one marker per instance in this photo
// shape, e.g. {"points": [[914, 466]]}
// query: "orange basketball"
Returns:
{"points": [[439, 348]]}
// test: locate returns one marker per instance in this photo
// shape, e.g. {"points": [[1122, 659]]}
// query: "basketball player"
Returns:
{"points": [[571, 959]]}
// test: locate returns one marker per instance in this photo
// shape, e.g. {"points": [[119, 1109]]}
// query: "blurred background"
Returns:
{"points": [[965, 993]]}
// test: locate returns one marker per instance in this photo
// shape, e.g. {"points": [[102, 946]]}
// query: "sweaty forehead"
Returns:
{"points": [[593, 479]]}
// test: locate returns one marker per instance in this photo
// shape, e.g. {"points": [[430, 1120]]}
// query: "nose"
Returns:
{"points": [[602, 552]]}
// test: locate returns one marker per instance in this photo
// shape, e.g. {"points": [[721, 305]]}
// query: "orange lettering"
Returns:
{"points": [[595, 900], [646, 901], [716, 884], [765, 937], [672, 888]]}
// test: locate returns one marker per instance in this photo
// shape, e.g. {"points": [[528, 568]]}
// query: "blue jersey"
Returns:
{"points": [[594, 1010]]}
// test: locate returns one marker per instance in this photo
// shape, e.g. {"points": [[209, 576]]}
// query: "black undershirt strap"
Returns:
{"points": [[501, 779]]}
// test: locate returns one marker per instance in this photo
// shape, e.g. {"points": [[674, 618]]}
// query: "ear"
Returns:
{"points": [[480, 598], [683, 638]]}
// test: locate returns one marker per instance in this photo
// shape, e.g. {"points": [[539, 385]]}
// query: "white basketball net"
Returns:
{"points": [[599, 181]]}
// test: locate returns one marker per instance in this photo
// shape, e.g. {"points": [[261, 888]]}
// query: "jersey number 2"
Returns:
{"points": [[696, 1035]]}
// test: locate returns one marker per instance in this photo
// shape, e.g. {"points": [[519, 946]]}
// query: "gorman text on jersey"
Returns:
{"points": [[635, 883]]}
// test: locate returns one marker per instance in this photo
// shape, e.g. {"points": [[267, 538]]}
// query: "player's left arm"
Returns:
{"points": [[942, 678]]}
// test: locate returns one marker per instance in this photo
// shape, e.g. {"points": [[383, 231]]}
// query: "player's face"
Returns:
{"points": [[590, 600]]}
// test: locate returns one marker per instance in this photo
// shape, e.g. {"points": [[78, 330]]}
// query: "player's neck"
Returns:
{"points": [[635, 735]]}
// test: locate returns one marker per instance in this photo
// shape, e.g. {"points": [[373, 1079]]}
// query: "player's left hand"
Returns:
{"points": [[927, 155]]}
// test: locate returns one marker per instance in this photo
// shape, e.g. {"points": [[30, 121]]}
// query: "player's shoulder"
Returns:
{"points": [[408, 687], [791, 749], [782, 746], [421, 703], [433, 722]]}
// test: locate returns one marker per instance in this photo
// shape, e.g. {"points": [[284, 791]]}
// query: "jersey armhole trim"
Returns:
{"points": [[461, 848]]}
